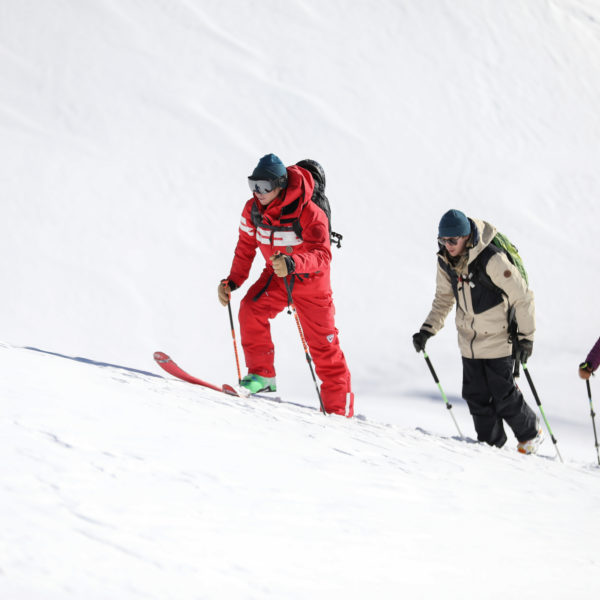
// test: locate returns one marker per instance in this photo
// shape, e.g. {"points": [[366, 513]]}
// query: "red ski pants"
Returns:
{"points": [[316, 314]]}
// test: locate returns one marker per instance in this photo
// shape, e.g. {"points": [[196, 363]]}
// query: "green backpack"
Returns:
{"points": [[512, 253]]}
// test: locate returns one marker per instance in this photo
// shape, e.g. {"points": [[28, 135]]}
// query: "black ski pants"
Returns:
{"points": [[493, 397]]}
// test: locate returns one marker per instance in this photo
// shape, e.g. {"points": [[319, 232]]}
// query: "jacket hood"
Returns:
{"points": [[482, 234], [289, 204]]}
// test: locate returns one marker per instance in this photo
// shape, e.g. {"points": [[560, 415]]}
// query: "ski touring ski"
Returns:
{"points": [[170, 366]]}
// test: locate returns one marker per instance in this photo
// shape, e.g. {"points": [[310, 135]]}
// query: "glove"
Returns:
{"points": [[585, 370], [420, 339], [224, 290], [524, 350], [282, 264]]}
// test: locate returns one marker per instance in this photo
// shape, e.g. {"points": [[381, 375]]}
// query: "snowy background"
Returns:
{"points": [[127, 130]]}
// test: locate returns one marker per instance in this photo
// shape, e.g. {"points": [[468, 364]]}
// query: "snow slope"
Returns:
{"points": [[120, 484], [126, 132]]}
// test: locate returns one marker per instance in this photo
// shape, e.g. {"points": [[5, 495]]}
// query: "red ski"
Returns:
{"points": [[171, 367], [166, 362]]}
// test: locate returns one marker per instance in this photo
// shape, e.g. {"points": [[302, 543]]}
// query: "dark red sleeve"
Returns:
{"points": [[593, 357], [245, 250]]}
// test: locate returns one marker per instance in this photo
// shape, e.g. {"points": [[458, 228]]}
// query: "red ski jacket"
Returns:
{"points": [[273, 228]]}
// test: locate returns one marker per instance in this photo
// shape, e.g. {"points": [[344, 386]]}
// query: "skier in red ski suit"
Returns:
{"points": [[301, 265]]}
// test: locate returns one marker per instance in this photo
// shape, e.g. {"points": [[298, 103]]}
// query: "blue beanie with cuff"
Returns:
{"points": [[454, 223], [269, 167]]}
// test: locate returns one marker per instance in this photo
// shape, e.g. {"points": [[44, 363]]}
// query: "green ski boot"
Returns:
{"points": [[257, 383]]}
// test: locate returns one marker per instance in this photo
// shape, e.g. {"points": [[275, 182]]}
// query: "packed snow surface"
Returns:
{"points": [[127, 131]]}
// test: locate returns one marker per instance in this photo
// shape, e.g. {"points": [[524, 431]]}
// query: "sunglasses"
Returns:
{"points": [[264, 186], [452, 241]]}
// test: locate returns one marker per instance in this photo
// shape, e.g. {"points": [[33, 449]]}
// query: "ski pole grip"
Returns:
{"points": [[530, 382], [289, 292], [433, 373], [224, 284]]}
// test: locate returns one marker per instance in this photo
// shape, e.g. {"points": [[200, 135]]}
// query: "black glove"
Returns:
{"points": [[420, 339], [524, 350]]}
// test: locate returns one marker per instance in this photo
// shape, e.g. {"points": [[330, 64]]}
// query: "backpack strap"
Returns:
{"points": [[484, 293], [263, 289], [290, 209], [451, 274], [258, 221], [297, 228], [479, 268]]}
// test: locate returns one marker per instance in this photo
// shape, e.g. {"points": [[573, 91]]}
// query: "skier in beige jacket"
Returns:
{"points": [[477, 277]]}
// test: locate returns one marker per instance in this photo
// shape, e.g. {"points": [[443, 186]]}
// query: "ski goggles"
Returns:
{"points": [[264, 186], [451, 241]]}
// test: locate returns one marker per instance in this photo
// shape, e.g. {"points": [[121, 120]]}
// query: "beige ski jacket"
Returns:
{"points": [[484, 285]]}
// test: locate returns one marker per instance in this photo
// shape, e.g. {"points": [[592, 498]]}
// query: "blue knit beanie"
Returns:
{"points": [[453, 224], [269, 167]]}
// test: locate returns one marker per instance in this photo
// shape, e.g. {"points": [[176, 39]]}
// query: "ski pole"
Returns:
{"points": [[292, 310], [235, 350], [537, 400], [448, 405], [593, 414], [513, 338]]}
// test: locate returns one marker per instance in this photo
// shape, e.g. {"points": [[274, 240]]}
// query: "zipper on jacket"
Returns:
{"points": [[473, 338], [472, 321]]}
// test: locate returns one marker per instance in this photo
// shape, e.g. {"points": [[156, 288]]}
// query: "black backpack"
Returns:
{"points": [[319, 198]]}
